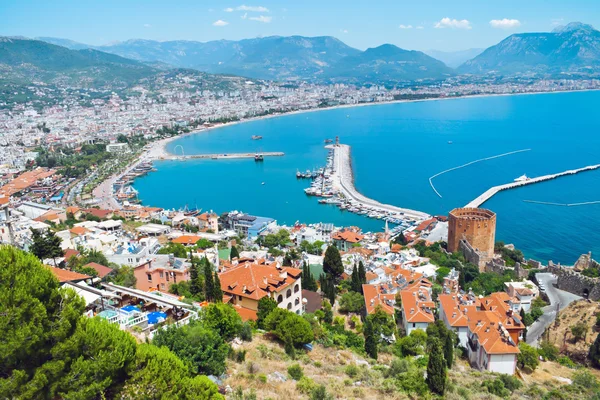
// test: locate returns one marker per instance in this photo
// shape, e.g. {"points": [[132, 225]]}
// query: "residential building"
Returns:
{"points": [[454, 314], [118, 148], [249, 225], [161, 272], [346, 238], [208, 222], [245, 284], [417, 309], [375, 297]]}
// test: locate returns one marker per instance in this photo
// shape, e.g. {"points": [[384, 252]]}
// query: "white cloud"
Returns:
{"points": [[420, 27], [247, 8], [505, 23], [453, 23], [245, 16], [147, 26], [557, 21], [262, 18], [344, 30], [405, 26], [220, 22]]}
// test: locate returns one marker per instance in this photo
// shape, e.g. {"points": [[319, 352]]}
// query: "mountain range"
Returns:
{"points": [[574, 48], [453, 59]]}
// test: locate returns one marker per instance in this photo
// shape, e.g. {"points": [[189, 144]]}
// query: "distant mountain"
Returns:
{"points": [[24, 60], [454, 59], [284, 58], [572, 48], [388, 63], [69, 44]]}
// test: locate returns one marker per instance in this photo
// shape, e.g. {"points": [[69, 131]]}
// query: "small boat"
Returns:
{"points": [[522, 178], [262, 183], [449, 141], [328, 141], [256, 137], [258, 157]]}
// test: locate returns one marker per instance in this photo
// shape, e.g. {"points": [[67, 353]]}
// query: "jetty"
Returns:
{"points": [[343, 182], [488, 194], [220, 156]]}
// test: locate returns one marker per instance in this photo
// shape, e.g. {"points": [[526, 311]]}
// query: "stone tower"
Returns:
{"points": [[475, 225]]}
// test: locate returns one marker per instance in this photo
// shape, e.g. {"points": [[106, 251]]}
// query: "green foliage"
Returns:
{"points": [[217, 291], [246, 332], [203, 349], [327, 312], [295, 372], [436, 367], [382, 322], [320, 393], [209, 282], [234, 253], [332, 263], [223, 319], [528, 356], [488, 282], [371, 339], [196, 282], [351, 302], [351, 370], [307, 279], [411, 345], [548, 351], [567, 362], [45, 244], [290, 328], [511, 257], [311, 248], [204, 244], [594, 353], [305, 385], [177, 249], [579, 330], [274, 240], [265, 306], [536, 312]]}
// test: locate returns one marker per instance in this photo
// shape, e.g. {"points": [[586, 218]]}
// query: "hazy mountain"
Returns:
{"points": [[571, 48], [69, 44], [454, 58], [33, 60], [388, 63], [283, 58]]}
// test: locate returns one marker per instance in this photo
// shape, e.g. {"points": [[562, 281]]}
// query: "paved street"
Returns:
{"points": [[556, 296]]}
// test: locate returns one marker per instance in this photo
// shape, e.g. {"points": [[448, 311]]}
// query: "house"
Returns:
{"points": [[208, 222], [417, 309], [99, 213], [101, 270], [490, 345], [186, 240], [64, 275], [454, 315], [426, 226], [507, 310], [247, 283], [345, 239], [161, 272], [451, 282], [525, 292], [376, 296], [119, 148], [76, 211], [249, 225]]}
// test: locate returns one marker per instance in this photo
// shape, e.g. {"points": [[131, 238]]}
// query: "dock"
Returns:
{"points": [[220, 156], [488, 194]]}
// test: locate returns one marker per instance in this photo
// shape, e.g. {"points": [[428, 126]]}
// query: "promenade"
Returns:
{"points": [[343, 181], [488, 194]]}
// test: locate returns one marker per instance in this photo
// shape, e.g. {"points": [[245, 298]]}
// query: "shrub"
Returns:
{"points": [[351, 370], [305, 385], [295, 372], [320, 393], [510, 382], [262, 378], [351, 302], [548, 351], [567, 362], [528, 357], [496, 387], [246, 332]]}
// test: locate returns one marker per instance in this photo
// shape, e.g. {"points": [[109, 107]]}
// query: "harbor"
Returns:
{"points": [[334, 184], [523, 181], [221, 156]]}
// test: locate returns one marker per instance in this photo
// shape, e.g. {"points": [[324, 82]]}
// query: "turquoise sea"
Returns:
{"points": [[395, 149]]}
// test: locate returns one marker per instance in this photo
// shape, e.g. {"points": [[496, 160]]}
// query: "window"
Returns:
{"points": [[297, 302], [167, 277], [149, 277], [160, 274], [414, 325], [289, 306], [296, 288], [279, 299], [288, 293], [240, 298]]}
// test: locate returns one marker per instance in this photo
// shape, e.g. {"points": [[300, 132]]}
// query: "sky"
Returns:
{"points": [[447, 25]]}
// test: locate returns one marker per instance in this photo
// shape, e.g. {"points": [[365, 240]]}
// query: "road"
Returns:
{"points": [[556, 296]]}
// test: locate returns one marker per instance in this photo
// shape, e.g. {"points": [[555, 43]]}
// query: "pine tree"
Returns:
{"points": [[370, 339], [217, 292], [234, 253], [194, 281], [436, 367], [322, 284], [209, 285], [332, 262], [46, 245], [449, 348], [594, 353], [355, 284], [362, 274], [308, 281], [330, 294]]}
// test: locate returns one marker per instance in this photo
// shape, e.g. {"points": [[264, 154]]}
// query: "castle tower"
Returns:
{"points": [[475, 225]]}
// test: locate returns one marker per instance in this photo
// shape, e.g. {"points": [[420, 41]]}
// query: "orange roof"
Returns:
{"points": [[72, 209], [100, 269], [65, 275], [374, 299], [246, 313], [26, 180], [348, 236], [417, 306], [396, 248], [257, 281], [187, 239], [78, 230], [206, 216], [455, 316], [47, 216], [371, 275], [488, 328], [4, 200], [425, 224], [70, 253]]}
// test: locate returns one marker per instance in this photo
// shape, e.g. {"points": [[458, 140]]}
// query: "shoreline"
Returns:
{"points": [[162, 152]]}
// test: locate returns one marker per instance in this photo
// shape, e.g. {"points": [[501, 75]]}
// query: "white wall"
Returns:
{"points": [[502, 363], [408, 326], [295, 308]]}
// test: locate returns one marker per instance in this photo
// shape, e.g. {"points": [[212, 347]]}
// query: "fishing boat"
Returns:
{"points": [[256, 137], [327, 141]]}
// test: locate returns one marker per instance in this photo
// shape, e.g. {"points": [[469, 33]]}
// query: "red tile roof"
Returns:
{"points": [[257, 281], [374, 298], [65, 275], [348, 236], [187, 239], [415, 305], [100, 269]]}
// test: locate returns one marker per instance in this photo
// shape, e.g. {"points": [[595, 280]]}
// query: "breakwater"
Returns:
{"points": [[218, 156], [488, 194]]}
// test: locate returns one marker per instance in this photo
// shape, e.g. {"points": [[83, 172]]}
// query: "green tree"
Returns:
{"points": [[202, 348], [45, 245], [234, 253], [222, 318], [307, 279], [122, 276], [160, 374], [209, 284], [327, 311], [579, 330], [177, 249], [332, 263], [290, 328], [436, 368], [351, 302], [594, 353], [355, 283], [218, 292], [94, 256], [362, 274], [196, 278], [265, 306], [528, 356], [370, 339]]}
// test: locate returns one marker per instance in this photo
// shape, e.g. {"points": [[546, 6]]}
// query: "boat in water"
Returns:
{"points": [[256, 137], [522, 178], [327, 141], [258, 157]]}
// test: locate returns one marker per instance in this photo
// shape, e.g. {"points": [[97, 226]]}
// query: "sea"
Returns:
{"points": [[395, 149]]}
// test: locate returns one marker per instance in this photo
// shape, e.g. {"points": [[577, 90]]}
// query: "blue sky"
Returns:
{"points": [[412, 24]]}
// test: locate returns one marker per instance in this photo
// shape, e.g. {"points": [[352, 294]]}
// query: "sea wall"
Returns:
{"points": [[574, 282]]}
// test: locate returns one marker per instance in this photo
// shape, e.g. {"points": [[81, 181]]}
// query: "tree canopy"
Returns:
{"points": [[332, 262]]}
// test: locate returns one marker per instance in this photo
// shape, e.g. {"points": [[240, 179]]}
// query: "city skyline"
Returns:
{"points": [[446, 27]]}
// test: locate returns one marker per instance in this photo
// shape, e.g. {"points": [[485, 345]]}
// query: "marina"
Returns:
{"points": [[220, 156], [334, 185], [523, 180]]}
